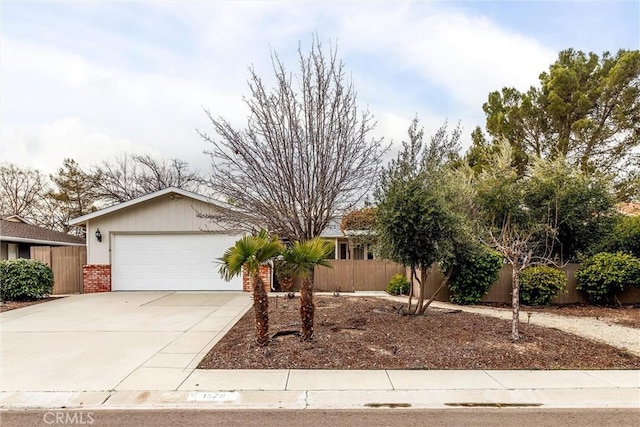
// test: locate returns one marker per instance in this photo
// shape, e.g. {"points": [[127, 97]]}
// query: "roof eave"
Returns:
{"points": [[38, 241], [81, 220]]}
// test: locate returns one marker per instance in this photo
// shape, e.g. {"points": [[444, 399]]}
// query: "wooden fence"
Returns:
{"points": [[500, 291], [66, 263], [348, 275]]}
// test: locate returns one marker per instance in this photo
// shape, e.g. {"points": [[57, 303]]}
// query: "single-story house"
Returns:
{"points": [[17, 236], [156, 242], [345, 249]]}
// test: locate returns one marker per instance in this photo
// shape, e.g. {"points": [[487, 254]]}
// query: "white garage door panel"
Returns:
{"points": [[170, 262]]}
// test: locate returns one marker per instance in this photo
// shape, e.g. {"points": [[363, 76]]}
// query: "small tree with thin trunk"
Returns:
{"points": [[301, 258], [509, 224], [249, 253], [417, 220]]}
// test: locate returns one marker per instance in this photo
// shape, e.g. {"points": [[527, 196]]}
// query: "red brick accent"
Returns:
{"points": [[265, 275], [96, 278]]}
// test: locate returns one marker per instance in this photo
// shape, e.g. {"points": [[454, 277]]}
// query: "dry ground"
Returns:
{"points": [[12, 305], [626, 315], [368, 333]]}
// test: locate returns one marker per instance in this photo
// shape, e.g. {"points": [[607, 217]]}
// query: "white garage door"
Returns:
{"points": [[170, 262]]}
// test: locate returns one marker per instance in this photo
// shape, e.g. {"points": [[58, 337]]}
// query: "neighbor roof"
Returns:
{"points": [[13, 231], [629, 208], [169, 190]]}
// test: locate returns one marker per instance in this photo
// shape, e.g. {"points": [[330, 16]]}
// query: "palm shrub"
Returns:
{"points": [[249, 253], [398, 285], [301, 258], [605, 274], [474, 271], [284, 276], [24, 279], [540, 284]]}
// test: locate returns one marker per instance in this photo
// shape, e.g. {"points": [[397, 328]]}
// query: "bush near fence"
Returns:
{"points": [[500, 291]]}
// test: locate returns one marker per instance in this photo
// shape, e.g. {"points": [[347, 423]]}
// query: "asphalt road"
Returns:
{"points": [[353, 418]]}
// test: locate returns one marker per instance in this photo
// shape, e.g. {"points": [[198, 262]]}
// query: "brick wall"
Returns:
{"points": [[96, 278], [265, 275]]}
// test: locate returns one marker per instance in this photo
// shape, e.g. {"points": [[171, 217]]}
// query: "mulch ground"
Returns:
{"points": [[12, 305], [368, 333]]}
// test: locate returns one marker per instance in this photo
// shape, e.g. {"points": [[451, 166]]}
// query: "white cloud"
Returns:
{"points": [[55, 99], [45, 146], [62, 99]]}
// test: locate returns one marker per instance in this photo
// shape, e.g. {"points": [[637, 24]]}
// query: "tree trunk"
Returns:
{"points": [[411, 288], [424, 273], [435, 294], [307, 309], [515, 301], [261, 310], [422, 282]]}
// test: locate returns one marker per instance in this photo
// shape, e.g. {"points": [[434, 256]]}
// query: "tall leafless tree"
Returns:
{"points": [[132, 176], [305, 155], [22, 192]]}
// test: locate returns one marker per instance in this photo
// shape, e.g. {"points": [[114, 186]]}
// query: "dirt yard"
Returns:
{"points": [[368, 333], [12, 305]]}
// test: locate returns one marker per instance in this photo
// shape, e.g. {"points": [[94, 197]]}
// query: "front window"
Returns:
{"points": [[12, 251]]}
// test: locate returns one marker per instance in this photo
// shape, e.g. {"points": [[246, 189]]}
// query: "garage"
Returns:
{"points": [[162, 241], [170, 262]]}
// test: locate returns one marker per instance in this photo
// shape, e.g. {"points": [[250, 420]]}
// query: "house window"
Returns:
{"points": [[369, 252], [358, 252], [12, 251], [344, 251]]}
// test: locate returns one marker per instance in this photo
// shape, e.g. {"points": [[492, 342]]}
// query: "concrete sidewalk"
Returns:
{"points": [[320, 389]]}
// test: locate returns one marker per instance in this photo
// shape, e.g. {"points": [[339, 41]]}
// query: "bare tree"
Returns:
{"points": [[304, 157], [22, 192], [132, 176], [522, 248]]}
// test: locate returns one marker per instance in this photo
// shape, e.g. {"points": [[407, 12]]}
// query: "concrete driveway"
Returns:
{"points": [[113, 341]]}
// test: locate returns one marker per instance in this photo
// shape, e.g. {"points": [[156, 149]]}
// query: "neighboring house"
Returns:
{"points": [[629, 208], [345, 248], [17, 237], [156, 242]]}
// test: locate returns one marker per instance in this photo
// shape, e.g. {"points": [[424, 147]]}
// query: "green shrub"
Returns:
{"points": [[627, 235], [473, 274], [24, 279], [539, 285], [605, 274], [284, 276], [398, 285]]}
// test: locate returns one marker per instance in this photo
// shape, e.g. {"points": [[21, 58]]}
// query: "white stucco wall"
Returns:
{"points": [[160, 215]]}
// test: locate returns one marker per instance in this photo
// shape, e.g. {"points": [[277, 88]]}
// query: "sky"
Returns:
{"points": [[95, 80]]}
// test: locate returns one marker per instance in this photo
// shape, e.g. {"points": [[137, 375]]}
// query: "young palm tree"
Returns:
{"points": [[301, 258], [251, 252]]}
